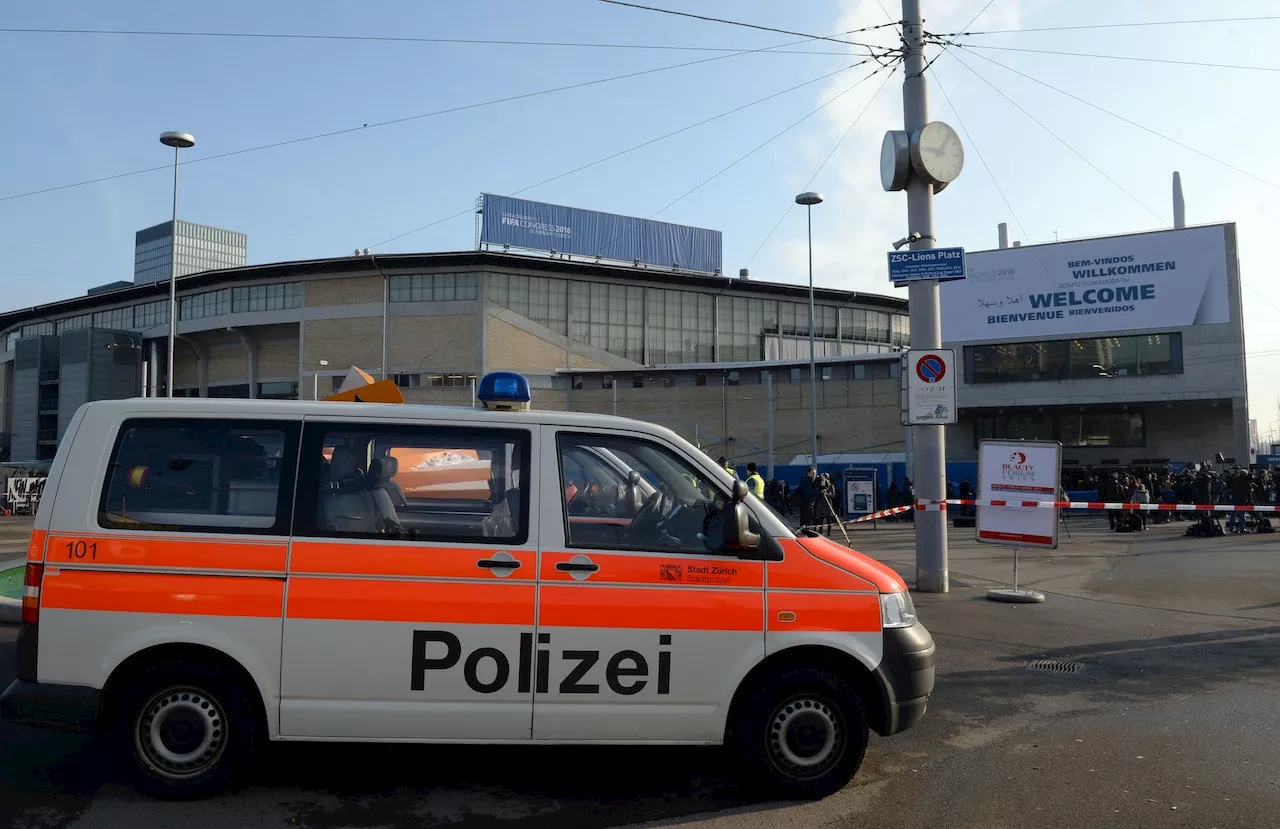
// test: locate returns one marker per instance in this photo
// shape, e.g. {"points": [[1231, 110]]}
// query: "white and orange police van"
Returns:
{"points": [[207, 574]]}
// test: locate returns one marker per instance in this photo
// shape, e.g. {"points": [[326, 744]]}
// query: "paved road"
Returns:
{"points": [[1171, 722]]}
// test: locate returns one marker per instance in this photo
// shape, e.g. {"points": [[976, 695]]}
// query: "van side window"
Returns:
{"points": [[427, 483], [623, 493], [200, 476]]}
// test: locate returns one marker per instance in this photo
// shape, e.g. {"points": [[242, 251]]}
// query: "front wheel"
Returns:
{"points": [[185, 730], [803, 733]]}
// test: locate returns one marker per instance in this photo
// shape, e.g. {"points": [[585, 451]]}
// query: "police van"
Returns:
{"points": [[205, 575]]}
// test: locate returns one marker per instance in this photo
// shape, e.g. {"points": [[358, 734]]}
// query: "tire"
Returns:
{"points": [[185, 730], [802, 734]]}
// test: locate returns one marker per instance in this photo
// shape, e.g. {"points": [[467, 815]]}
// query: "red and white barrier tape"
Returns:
{"points": [[884, 513], [1097, 505]]}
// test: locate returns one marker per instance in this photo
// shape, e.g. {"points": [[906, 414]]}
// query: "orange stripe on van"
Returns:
{"points": [[805, 570], [585, 606], [403, 559], [147, 551], [621, 568], [70, 589], [839, 612], [35, 546], [498, 602]]}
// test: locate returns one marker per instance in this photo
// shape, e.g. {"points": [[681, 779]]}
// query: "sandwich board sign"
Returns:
{"points": [[1019, 470]]}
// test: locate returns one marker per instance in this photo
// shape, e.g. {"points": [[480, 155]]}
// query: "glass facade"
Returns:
{"points": [[1134, 356], [1076, 429], [120, 319], [609, 317], [683, 326], [434, 287], [208, 304], [198, 248]]}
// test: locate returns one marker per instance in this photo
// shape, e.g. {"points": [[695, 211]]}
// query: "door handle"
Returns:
{"points": [[577, 566], [502, 564], [498, 564]]}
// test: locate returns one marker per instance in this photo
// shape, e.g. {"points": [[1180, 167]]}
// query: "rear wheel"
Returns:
{"points": [[185, 730], [803, 733]]}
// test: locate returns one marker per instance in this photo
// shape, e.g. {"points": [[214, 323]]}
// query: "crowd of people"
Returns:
{"points": [[1202, 485]]}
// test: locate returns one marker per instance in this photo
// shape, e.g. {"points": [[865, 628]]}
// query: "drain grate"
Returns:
{"points": [[1055, 666]]}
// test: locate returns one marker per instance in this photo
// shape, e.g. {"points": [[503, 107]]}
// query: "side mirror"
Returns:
{"points": [[738, 537], [739, 492]]}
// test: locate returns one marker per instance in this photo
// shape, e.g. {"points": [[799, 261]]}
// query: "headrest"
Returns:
{"points": [[344, 464], [390, 466], [377, 471]]}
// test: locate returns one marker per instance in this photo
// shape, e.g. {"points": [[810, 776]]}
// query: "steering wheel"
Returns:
{"points": [[646, 520]]}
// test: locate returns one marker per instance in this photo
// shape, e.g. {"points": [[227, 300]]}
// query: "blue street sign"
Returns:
{"points": [[942, 264]]}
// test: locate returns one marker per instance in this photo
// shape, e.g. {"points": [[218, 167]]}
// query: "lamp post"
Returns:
{"points": [[315, 381], [179, 141], [809, 200]]}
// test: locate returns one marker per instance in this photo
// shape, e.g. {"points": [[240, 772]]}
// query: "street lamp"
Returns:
{"points": [[179, 141], [315, 378], [809, 200]]}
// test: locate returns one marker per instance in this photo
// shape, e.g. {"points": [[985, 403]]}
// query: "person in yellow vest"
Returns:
{"points": [[724, 462], [754, 482]]}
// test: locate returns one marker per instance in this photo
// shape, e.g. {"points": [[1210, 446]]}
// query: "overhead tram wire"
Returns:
{"points": [[405, 119], [1092, 26], [981, 158], [1130, 121], [1061, 140], [1132, 58], [444, 41], [633, 148], [943, 50], [759, 147], [791, 206], [762, 28]]}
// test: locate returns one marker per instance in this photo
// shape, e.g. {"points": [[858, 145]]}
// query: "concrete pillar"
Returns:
{"points": [[202, 362], [153, 371], [251, 354]]}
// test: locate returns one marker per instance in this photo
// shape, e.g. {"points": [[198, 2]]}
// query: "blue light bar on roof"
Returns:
{"points": [[504, 391]]}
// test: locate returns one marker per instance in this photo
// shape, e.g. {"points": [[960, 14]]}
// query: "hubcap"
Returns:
{"points": [[181, 732], [806, 736]]}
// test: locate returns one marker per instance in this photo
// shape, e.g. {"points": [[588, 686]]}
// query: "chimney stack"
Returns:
{"points": [[1003, 230], [1179, 206]]}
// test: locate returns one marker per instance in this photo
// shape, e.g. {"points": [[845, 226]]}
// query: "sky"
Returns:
{"points": [[85, 106]]}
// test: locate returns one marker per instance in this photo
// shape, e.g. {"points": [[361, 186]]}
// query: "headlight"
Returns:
{"points": [[897, 610]]}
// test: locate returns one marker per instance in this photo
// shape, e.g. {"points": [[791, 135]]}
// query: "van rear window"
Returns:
{"points": [[200, 476]]}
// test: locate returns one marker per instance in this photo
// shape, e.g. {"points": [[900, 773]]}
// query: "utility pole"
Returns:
{"points": [[928, 445]]}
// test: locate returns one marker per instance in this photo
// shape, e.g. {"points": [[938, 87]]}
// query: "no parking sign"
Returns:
{"points": [[928, 387]]}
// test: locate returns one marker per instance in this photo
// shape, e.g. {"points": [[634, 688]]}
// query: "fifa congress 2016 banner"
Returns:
{"points": [[538, 226], [1167, 279]]}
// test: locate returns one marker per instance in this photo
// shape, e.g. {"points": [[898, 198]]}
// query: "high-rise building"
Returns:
{"points": [[199, 248]]}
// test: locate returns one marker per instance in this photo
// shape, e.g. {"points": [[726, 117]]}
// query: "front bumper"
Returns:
{"points": [[60, 707], [906, 675]]}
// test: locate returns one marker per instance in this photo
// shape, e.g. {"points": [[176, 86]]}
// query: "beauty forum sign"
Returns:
{"points": [[1168, 279]]}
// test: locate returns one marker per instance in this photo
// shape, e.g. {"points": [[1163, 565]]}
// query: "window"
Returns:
{"points": [[151, 314], [794, 375], [73, 323], [1103, 429], [278, 390], [700, 379], [117, 318], [218, 476], [606, 381], [1081, 359], [434, 287], [424, 483], [576, 382], [208, 304], [405, 380], [1096, 428], [607, 316], [732, 378], [266, 297], [637, 381], [827, 372], [622, 493]]}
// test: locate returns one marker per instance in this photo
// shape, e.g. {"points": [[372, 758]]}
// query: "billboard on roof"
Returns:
{"points": [[1165, 279], [538, 226]]}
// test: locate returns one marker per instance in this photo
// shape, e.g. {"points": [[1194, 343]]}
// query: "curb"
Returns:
{"points": [[10, 611]]}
